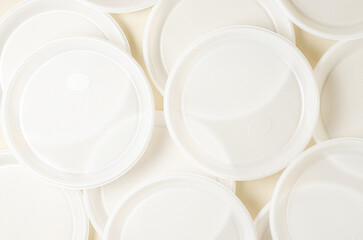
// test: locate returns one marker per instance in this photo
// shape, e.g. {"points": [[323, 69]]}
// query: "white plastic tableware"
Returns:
{"points": [[320, 195], [262, 224], [120, 6], [79, 112], [339, 75], [33, 210], [161, 158], [330, 19], [180, 207], [34, 23], [242, 102], [175, 24]]}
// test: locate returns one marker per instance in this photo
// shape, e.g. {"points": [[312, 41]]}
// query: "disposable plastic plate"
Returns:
{"points": [[79, 112], [320, 195], [182, 206], [242, 102]]}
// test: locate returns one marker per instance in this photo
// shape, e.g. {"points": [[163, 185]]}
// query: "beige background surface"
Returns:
{"points": [[254, 194]]}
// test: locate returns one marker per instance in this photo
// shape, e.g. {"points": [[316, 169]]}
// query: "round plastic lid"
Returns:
{"points": [[175, 24], [242, 102], [161, 158], [31, 24], [180, 207], [320, 195], [262, 224], [331, 19], [79, 112], [120, 6], [339, 75], [33, 210]]}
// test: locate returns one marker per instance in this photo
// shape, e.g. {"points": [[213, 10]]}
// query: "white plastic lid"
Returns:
{"points": [[262, 224], [320, 195], [242, 102], [31, 24], [120, 6], [180, 207], [33, 210], [79, 112], [331, 19], [339, 75], [161, 158], [175, 24]]}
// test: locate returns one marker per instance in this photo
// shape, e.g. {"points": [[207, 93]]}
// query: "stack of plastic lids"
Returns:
{"points": [[241, 103]]}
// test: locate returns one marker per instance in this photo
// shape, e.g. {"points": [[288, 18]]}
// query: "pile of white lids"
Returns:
{"points": [[241, 102]]}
